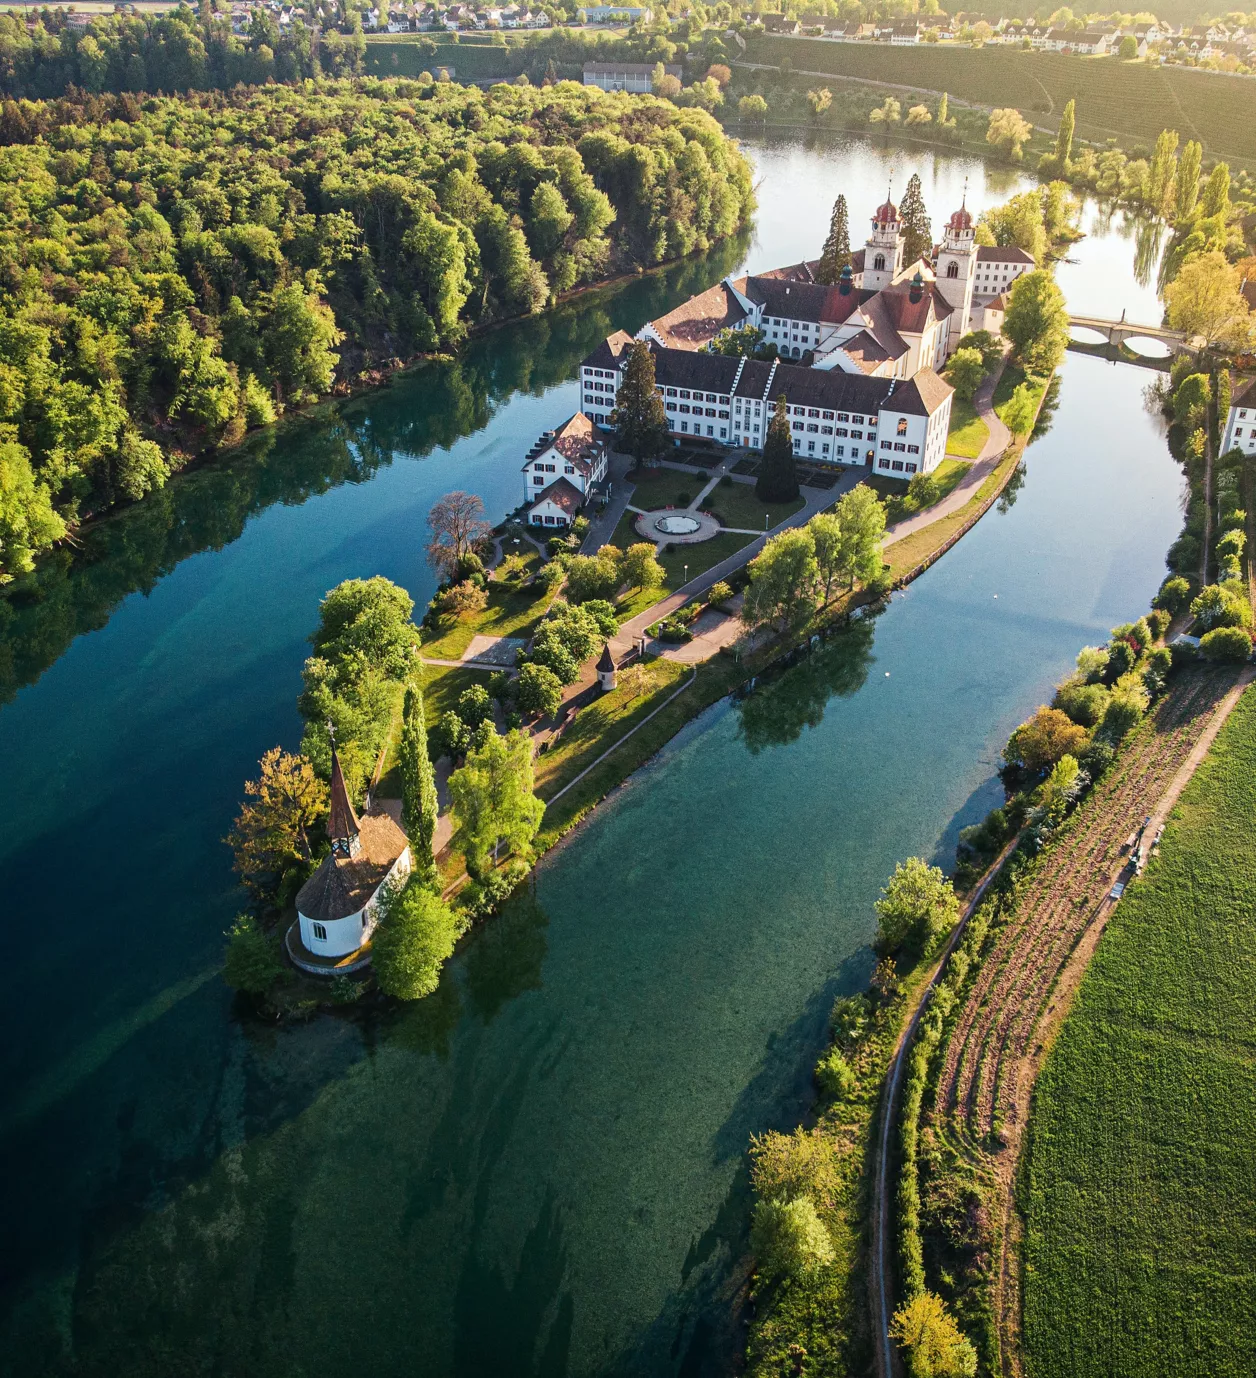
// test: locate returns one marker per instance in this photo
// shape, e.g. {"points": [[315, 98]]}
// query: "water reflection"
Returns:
{"points": [[778, 711], [75, 591]]}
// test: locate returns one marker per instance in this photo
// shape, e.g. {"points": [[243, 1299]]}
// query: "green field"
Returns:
{"points": [[968, 431], [1140, 1256], [1130, 100]]}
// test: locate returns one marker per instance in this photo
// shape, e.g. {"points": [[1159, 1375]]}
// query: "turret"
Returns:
{"points": [[883, 259], [957, 272], [343, 828]]}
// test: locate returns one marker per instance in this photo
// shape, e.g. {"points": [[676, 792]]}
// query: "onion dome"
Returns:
{"points": [[961, 220], [887, 214]]}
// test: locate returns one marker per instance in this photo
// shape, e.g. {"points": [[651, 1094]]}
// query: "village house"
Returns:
{"points": [[1240, 429], [561, 469]]}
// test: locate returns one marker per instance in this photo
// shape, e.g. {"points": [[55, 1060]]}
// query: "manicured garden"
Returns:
{"points": [[737, 506], [1141, 1244], [512, 610]]}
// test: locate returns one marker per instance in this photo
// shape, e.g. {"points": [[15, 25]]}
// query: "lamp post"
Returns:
{"points": [[686, 574], [765, 521]]}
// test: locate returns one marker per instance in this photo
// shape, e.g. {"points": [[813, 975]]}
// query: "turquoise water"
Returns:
{"points": [[541, 1168]]}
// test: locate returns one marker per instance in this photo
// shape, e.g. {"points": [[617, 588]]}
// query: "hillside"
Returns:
{"points": [[1141, 1177], [179, 270], [1130, 101]]}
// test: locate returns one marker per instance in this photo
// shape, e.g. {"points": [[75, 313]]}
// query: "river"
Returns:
{"points": [[540, 1169]]}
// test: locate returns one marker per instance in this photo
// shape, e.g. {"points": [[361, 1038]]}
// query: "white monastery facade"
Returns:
{"points": [[1240, 427], [560, 470]]}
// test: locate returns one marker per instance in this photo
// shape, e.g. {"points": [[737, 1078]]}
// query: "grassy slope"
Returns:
{"points": [[1127, 99], [1141, 1175], [968, 431]]}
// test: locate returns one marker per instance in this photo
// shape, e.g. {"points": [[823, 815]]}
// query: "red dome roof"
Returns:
{"points": [[887, 213], [961, 220]]}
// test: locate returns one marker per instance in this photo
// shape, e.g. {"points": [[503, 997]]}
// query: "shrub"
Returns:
{"points": [[1038, 743], [683, 499], [1092, 661], [936, 1346], [1126, 706], [550, 575], [252, 965], [1174, 595], [849, 1018], [726, 481], [1221, 606], [1084, 703], [834, 1076], [603, 615], [1226, 643], [788, 1238], [917, 905], [1158, 620], [720, 594], [672, 629], [1232, 542], [1122, 658], [465, 597], [450, 734]]}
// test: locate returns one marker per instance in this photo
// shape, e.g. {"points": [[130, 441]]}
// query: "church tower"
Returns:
{"points": [[956, 273], [883, 257], [344, 832]]}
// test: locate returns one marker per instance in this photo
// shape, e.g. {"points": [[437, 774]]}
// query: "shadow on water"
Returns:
{"points": [[430, 407], [782, 706], [208, 1177]]}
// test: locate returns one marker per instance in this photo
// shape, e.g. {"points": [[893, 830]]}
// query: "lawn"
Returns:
{"points": [[946, 478], [736, 505], [968, 431], [1141, 1172], [511, 611], [699, 558], [665, 488], [1013, 377], [603, 722]]}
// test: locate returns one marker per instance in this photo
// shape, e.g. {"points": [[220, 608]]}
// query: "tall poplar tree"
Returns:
{"points": [[1163, 169], [942, 109], [778, 475], [640, 421], [418, 787], [917, 231], [836, 253], [1188, 179], [1064, 139], [1217, 191]]}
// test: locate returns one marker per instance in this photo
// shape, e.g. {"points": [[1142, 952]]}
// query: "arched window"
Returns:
{"points": [[879, 261], [952, 270]]}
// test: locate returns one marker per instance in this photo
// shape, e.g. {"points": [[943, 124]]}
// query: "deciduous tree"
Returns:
{"points": [[272, 834], [413, 940], [252, 965], [782, 581], [1037, 322], [861, 515], [1204, 300], [457, 525], [492, 800], [1040, 741], [964, 371], [916, 907], [639, 568], [1008, 131], [935, 1345]]}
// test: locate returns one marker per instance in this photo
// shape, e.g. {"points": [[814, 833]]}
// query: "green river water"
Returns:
{"points": [[541, 1169]]}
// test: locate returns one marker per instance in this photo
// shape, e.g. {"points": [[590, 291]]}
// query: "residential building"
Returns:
{"points": [[616, 14], [997, 269], [574, 457], [625, 76], [1240, 429]]}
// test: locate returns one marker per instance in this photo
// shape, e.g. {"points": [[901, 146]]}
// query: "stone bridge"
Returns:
{"points": [[1117, 332]]}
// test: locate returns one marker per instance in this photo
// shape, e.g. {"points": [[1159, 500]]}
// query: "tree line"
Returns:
{"points": [[177, 271]]}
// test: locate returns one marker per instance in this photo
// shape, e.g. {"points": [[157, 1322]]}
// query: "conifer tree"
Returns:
{"points": [[639, 418], [836, 252], [918, 233], [778, 476], [418, 787], [942, 109], [1064, 139]]}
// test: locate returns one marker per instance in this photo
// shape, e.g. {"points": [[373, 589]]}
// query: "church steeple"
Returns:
{"points": [[343, 828]]}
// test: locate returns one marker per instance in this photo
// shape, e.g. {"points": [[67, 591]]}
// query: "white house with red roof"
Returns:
{"points": [[561, 469], [1240, 429]]}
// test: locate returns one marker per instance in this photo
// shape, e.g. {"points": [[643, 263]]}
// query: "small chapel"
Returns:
{"points": [[341, 903]]}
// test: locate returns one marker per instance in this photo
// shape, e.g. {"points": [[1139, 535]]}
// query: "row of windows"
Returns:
{"points": [[697, 429], [911, 449], [697, 396], [899, 465]]}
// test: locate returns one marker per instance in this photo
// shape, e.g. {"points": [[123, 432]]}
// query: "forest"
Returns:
{"points": [[176, 271]]}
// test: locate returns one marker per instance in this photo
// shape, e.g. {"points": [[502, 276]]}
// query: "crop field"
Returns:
{"points": [[1129, 100], [1140, 1251], [981, 1087]]}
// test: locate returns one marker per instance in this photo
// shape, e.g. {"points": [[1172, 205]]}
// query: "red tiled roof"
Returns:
{"points": [[577, 441], [562, 493], [342, 885], [695, 323], [1002, 253]]}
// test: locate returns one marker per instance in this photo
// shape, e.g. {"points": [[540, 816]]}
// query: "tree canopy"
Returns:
{"points": [[178, 270]]}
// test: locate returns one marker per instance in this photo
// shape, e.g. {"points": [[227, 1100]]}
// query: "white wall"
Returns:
{"points": [[348, 934]]}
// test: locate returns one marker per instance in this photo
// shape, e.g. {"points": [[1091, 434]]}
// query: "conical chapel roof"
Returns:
{"points": [[342, 821]]}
